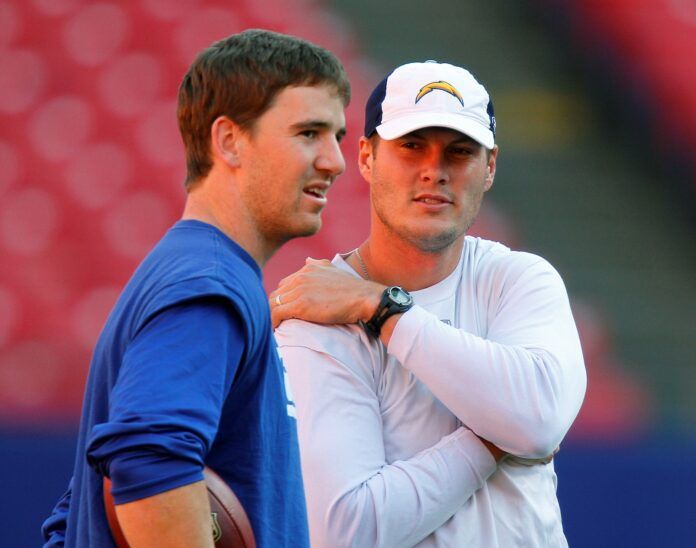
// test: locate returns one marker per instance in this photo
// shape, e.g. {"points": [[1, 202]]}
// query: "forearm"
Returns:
{"points": [[355, 495], [176, 518], [400, 503], [534, 412], [519, 384], [521, 399]]}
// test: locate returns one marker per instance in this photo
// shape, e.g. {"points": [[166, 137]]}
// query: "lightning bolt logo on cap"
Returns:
{"points": [[442, 86]]}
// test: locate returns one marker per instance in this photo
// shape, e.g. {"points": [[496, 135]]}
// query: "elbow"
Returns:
{"points": [[551, 407], [540, 440], [531, 437], [538, 430], [349, 522]]}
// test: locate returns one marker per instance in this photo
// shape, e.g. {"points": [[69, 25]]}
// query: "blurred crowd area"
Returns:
{"points": [[92, 167], [92, 171]]}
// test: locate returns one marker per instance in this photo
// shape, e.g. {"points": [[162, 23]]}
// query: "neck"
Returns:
{"points": [[391, 261], [224, 211]]}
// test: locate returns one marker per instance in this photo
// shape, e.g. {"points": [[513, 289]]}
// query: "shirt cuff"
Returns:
{"points": [[136, 475]]}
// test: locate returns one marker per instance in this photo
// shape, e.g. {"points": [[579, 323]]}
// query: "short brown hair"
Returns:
{"points": [[239, 77]]}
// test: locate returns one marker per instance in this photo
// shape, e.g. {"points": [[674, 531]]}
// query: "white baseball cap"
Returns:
{"points": [[430, 94]]}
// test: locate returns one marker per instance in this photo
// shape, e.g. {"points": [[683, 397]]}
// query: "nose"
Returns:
{"points": [[434, 169], [330, 159]]}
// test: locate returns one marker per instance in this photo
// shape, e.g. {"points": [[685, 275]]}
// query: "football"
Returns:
{"points": [[229, 522]]}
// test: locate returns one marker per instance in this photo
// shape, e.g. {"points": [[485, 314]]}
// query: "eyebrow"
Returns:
{"points": [[318, 125]]}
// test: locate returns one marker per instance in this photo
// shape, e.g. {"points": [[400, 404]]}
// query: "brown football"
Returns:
{"points": [[231, 527]]}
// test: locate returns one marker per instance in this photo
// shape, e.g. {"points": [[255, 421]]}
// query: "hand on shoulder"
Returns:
{"points": [[321, 293]]}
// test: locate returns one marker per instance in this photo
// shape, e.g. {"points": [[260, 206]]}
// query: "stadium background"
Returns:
{"points": [[596, 110]]}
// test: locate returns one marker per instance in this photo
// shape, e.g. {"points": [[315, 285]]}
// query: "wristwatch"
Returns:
{"points": [[394, 301]]}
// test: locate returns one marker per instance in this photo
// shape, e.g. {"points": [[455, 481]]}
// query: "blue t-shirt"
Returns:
{"points": [[186, 373]]}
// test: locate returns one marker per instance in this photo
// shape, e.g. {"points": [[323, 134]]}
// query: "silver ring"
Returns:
{"points": [[277, 299]]}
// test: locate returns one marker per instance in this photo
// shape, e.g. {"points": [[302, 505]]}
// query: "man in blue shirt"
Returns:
{"points": [[186, 372]]}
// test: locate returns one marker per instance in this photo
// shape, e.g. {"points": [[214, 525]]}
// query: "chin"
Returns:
{"points": [[434, 242], [309, 228], [295, 225]]}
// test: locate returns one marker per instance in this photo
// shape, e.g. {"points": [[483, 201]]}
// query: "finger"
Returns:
{"points": [[284, 281], [272, 294], [278, 298], [275, 318], [281, 312], [276, 314], [290, 280], [309, 260], [274, 300]]}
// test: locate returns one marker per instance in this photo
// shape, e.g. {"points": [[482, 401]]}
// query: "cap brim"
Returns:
{"points": [[407, 124]]}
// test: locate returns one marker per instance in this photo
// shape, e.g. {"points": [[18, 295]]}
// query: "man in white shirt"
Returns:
{"points": [[440, 371]]}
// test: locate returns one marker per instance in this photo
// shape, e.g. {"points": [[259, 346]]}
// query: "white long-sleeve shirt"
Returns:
{"points": [[389, 456]]}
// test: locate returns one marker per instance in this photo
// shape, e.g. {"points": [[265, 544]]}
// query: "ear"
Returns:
{"points": [[490, 168], [225, 136], [365, 158]]}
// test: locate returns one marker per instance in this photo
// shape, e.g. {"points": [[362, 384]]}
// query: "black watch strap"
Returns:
{"points": [[395, 300]]}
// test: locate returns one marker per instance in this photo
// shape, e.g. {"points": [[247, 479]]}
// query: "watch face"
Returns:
{"points": [[399, 296]]}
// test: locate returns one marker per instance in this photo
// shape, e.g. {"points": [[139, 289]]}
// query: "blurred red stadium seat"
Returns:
{"points": [[93, 166]]}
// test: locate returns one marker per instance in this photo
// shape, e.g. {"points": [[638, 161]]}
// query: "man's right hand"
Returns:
{"points": [[499, 455], [533, 462], [321, 293], [497, 452]]}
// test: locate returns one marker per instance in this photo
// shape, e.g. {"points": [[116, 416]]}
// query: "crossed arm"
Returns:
{"points": [[528, 373], [358, 492], [519, 389]]}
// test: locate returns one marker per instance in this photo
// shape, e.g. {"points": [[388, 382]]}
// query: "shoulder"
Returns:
{"points": [[203, 251], [493, 261], [330, 339], [348, 345], [198, 256], [195, 261]]}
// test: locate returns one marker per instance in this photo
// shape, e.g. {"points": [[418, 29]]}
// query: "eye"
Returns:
{"points": [[310, 133], [410, 145], [462, 151]]}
